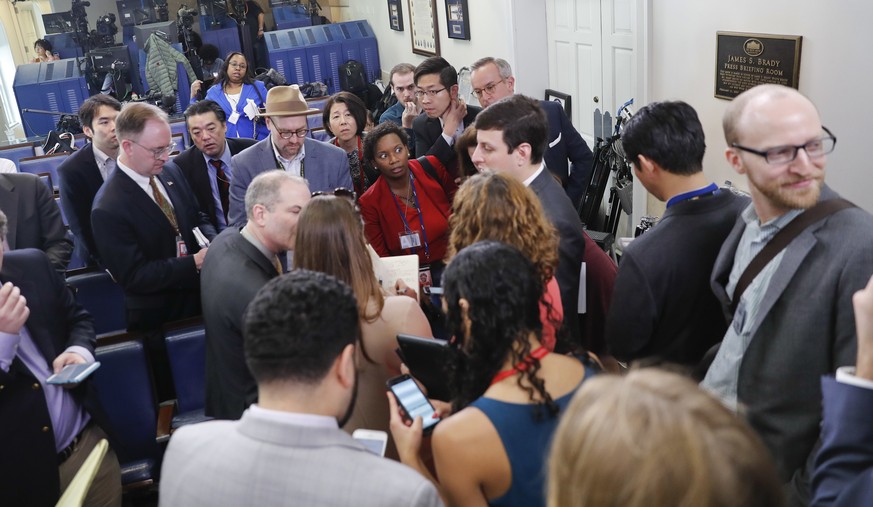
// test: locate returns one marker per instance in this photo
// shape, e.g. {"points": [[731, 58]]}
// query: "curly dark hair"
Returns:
{"points": [[503, 290], [380, 131]]}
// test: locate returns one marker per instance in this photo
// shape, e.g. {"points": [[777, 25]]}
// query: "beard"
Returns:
{"points": [[786, 198], [351, 408]]}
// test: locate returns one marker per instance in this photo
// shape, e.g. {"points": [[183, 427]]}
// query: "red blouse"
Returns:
{"points": [[383, 224]]}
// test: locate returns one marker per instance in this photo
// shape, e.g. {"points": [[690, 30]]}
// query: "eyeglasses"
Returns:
{"points": [[785, 154], [430, 93], [489, 89], [157, 152], [238, 65], [338, 192], [301, 133]]}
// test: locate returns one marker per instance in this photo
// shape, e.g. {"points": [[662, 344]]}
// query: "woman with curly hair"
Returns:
{"points": [[331, 240], [508, 389], [498, 207]]}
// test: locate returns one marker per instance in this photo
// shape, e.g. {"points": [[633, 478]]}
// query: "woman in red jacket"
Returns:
{"points": [[406, 211]]}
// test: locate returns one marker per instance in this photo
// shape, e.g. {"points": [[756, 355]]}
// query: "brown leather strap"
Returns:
{"points": [[782, 239]]}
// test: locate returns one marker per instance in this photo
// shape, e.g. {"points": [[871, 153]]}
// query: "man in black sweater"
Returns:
{"points": [[663, 308]]}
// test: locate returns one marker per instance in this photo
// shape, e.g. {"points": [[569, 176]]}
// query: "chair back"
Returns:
{"points": [[186, 348], [44, 164], [103, 298]]}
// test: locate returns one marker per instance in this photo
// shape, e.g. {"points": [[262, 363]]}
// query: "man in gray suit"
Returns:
{"points": [[512, 136], [324, 166], [794, 322], [247, 259], [288, 449]]}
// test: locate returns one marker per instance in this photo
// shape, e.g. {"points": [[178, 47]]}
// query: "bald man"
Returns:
{"points": [[794, 322]]}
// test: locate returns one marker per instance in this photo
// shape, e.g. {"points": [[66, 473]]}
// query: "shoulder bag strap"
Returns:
{"points": [[782, 239]]}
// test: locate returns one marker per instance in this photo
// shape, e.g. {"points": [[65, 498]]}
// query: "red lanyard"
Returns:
{"points": [[522, 365]]}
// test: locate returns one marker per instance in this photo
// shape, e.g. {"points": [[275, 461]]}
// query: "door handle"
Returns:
{"points": [[596, 99]]}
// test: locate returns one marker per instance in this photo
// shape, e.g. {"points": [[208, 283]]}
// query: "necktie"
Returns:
{"points": [[277, 264], [164, 205], [223, 186]]}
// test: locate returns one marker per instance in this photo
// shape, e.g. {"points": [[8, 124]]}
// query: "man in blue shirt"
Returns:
{"points": [[406, 108]]}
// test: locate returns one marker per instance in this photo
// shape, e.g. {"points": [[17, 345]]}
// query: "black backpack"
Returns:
{"points": [[352, 77], [386, 100]]}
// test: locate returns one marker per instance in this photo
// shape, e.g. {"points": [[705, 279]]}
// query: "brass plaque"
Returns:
{"points": [[744, 60]]}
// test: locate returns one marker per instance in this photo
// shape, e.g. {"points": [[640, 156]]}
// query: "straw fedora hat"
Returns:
{"points": [[287, 101]]}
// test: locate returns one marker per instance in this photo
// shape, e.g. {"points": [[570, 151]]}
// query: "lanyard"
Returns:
{"points": [[280, 165], [538, 353], [406, 226], [712, 188]]}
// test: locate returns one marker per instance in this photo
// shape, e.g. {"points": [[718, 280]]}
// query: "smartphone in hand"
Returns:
{"points": [[413, 402], [73, 373], [374, 440]]}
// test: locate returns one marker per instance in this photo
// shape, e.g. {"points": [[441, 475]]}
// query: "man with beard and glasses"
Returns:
{"points": [[794, 321], [300, 335]]}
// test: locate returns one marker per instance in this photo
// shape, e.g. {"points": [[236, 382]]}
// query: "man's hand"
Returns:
{"points": [[195, 87], [199, 256], [13, 309], [409, 114], [454, 117], [67, 358], [863, 303]]}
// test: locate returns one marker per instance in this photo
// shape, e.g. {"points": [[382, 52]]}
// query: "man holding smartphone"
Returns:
{"points": [[47, 430], [300, 333]]}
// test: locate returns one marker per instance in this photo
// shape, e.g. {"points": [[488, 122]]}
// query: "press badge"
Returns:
{"points": [[410, 240], [181, 247], [233, 118]]}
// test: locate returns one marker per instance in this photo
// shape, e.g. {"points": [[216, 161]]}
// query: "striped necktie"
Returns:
{"points": [[164, 205], [223, 186]]}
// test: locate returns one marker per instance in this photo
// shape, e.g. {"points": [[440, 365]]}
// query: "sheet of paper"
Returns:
{"points": [[389, 269]]}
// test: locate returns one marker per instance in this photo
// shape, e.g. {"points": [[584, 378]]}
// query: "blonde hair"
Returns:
{"points": [[497, 207], [133, 117], [655, 438]]}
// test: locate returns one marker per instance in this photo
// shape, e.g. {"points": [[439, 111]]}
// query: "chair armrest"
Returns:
{"points": [[165, 417]]}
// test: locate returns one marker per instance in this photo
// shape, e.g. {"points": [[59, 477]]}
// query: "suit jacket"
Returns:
{"points": [[79, 180], [138, 247], [194, 168], [326, 168], [33, 218], [805, 329], [843, 471], [565, 143], [29, 466], [429, 139], [260, 461], [571, 248], [232, 274]]}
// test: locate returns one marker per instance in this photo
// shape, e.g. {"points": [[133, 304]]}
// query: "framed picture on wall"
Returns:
{"points": [[395, 15], [561, 98], [458, 19], [423, 24]]}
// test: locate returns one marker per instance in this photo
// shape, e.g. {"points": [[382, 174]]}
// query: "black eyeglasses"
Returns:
{"points": [[785, 154], [299, 133], [338, 192]]}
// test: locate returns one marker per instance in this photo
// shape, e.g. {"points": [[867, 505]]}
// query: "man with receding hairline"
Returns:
{"points": [[794, 322]]}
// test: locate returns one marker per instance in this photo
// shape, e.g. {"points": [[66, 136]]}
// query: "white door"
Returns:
{"points": [[597, 55]]}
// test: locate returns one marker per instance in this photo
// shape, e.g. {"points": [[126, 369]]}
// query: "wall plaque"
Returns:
{"points": [[744, 60]]}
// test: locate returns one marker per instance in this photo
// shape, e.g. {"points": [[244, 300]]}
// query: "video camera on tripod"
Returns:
{"points": [[106, 30], [185, 16]]}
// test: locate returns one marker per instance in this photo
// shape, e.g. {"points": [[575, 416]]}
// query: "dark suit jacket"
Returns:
{"points": [[566, 143], [805, 329], [29, 466], [233, 272], [571, 248], [429, 139], [79, 180], [138, 246], [193, 167], [844, 464], [34, 220]]}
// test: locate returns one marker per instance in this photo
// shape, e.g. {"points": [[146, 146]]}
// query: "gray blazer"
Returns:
{"points": [[233, 272], [326, 168], [571, 248], [259, 461], [805, 329]]}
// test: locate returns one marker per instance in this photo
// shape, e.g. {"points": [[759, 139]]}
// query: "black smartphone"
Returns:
{"points": [[413, 401]]}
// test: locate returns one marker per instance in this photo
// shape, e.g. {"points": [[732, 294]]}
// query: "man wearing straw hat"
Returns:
{"points": [[324, 166]]}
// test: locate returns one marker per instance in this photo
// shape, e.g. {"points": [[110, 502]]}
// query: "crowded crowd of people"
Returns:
{"points": [[696, 376]]}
